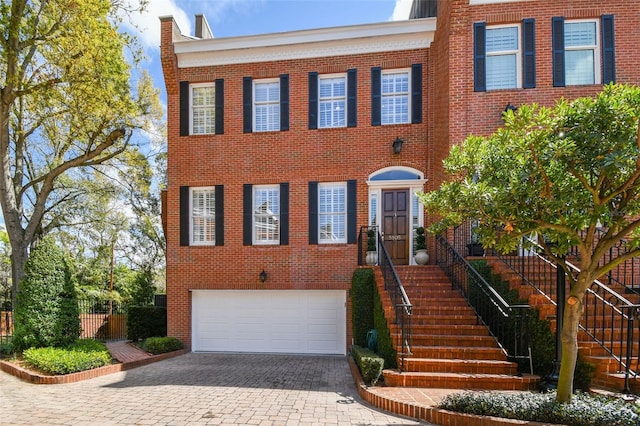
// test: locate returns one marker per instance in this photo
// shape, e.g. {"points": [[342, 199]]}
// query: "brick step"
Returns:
{"points": [[457, 352], [444, 320], [469, 366], [437, 311], [608, 364], [615, 382], [425, 302], [439, 329], [466, 341], [432, 292], [608, 334], [460, 380]]}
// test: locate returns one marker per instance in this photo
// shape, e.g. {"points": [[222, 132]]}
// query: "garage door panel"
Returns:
{"points": [[284, 321]]}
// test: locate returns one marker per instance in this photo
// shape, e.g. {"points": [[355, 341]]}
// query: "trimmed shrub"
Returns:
{"points": [[143, 288], [583, 409], [370, 364], [386, 348], [160, 345], [47, 308], [146, 321], [362, 284], [85, 355]]}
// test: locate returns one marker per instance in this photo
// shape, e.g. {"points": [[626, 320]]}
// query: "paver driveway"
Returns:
{"points": [[219, 389]]}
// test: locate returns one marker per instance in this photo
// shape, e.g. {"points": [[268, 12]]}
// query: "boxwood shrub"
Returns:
{"points": [[146, 321], [370, 364], [84, 355], [160, 345], [362, 284]]}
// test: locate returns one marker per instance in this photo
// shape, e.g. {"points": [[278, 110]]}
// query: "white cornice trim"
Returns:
{"points": [[325, 42]]}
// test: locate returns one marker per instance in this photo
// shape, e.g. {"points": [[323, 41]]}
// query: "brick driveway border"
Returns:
{"points": [[199, 389]]}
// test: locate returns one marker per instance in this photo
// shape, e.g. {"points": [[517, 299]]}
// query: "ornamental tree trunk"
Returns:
{"points": [[569, 338]]}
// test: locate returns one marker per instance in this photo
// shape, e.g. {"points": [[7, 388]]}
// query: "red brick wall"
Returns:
{"points": [[296, 156]]}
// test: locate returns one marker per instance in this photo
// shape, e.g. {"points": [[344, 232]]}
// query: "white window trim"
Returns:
{"points": [[253, 215], [255, 103], [396, 94], [342, 185], [191, 107], [597, 50], [346, 90], [191, 216], [518, 53]]}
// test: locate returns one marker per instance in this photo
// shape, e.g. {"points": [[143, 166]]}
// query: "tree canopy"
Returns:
{"points": [[563, 173]]}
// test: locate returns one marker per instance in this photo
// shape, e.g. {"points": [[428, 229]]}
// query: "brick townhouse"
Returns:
{"points": [[282, 146]]}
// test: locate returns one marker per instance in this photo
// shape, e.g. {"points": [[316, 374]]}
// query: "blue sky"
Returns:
{"points": [[228, 18]]}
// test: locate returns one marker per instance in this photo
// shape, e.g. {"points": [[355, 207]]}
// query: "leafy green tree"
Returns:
{"points": [[47, 310], [561, 172], [66, 108]]}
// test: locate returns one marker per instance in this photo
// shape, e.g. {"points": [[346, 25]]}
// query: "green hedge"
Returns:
{"points": [[84, 355], [146, 321], [386, 348], [370, 364], [362, 284], [160, 345]]}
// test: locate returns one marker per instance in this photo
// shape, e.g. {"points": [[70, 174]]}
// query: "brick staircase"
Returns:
{"points": [[607, 375], [450, 348]]}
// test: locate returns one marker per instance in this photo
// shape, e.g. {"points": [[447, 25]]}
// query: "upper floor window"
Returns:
{"points": [[583, 51], [332, 212], [266, 215], [203, 109], [203, 216], [265, 104], [504, 56], [332, 101], [395, 97]]}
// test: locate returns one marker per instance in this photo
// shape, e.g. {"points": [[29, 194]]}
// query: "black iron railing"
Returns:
{"points": [[508, 323], [609, 318], [392, 285]]}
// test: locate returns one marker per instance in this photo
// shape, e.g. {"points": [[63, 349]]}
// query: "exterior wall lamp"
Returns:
{"points": [[510, 107], [397, 145], [263, 276]]}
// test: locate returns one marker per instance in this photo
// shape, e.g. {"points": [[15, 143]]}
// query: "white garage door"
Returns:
{"points": [[269, 321]]}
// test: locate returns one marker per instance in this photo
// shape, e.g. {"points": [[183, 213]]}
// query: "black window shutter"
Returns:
{"points": [[219, 106], [313, 212], [184, 108], [608, 50], [284, 214], [284, 102], [184, 216], [479, 57], [416, 93], [376, 96], [313, 100], [352, 97], [247, 104], [529, 53], [219, 191], [247, 214], [557, 43], [352, 216]]}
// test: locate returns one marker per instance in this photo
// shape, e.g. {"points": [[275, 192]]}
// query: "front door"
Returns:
{"points": [[395, 224]]}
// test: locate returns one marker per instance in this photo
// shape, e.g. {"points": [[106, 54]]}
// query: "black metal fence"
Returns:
{"points": [[99, 319]]}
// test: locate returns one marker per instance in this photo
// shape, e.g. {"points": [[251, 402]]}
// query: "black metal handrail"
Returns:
{"points": [[609, 318], [506, 322], [393, 286]]}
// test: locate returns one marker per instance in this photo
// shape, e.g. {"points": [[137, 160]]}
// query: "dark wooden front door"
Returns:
{"points": [[395, 224]]}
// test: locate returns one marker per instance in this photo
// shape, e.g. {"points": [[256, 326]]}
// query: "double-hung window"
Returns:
{"points": [[332, 101], [395, 97], [203, 109], [266, 214], [503, 57], [203, 216], [332, 212], [583, 51], [266, 105]]}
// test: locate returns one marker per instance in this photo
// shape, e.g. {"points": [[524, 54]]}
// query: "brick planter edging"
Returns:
{"points": [[429, 414], [41, 379]]}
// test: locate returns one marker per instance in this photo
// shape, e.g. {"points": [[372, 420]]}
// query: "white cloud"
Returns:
{"points": [[402, 10], [146, 25]]}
